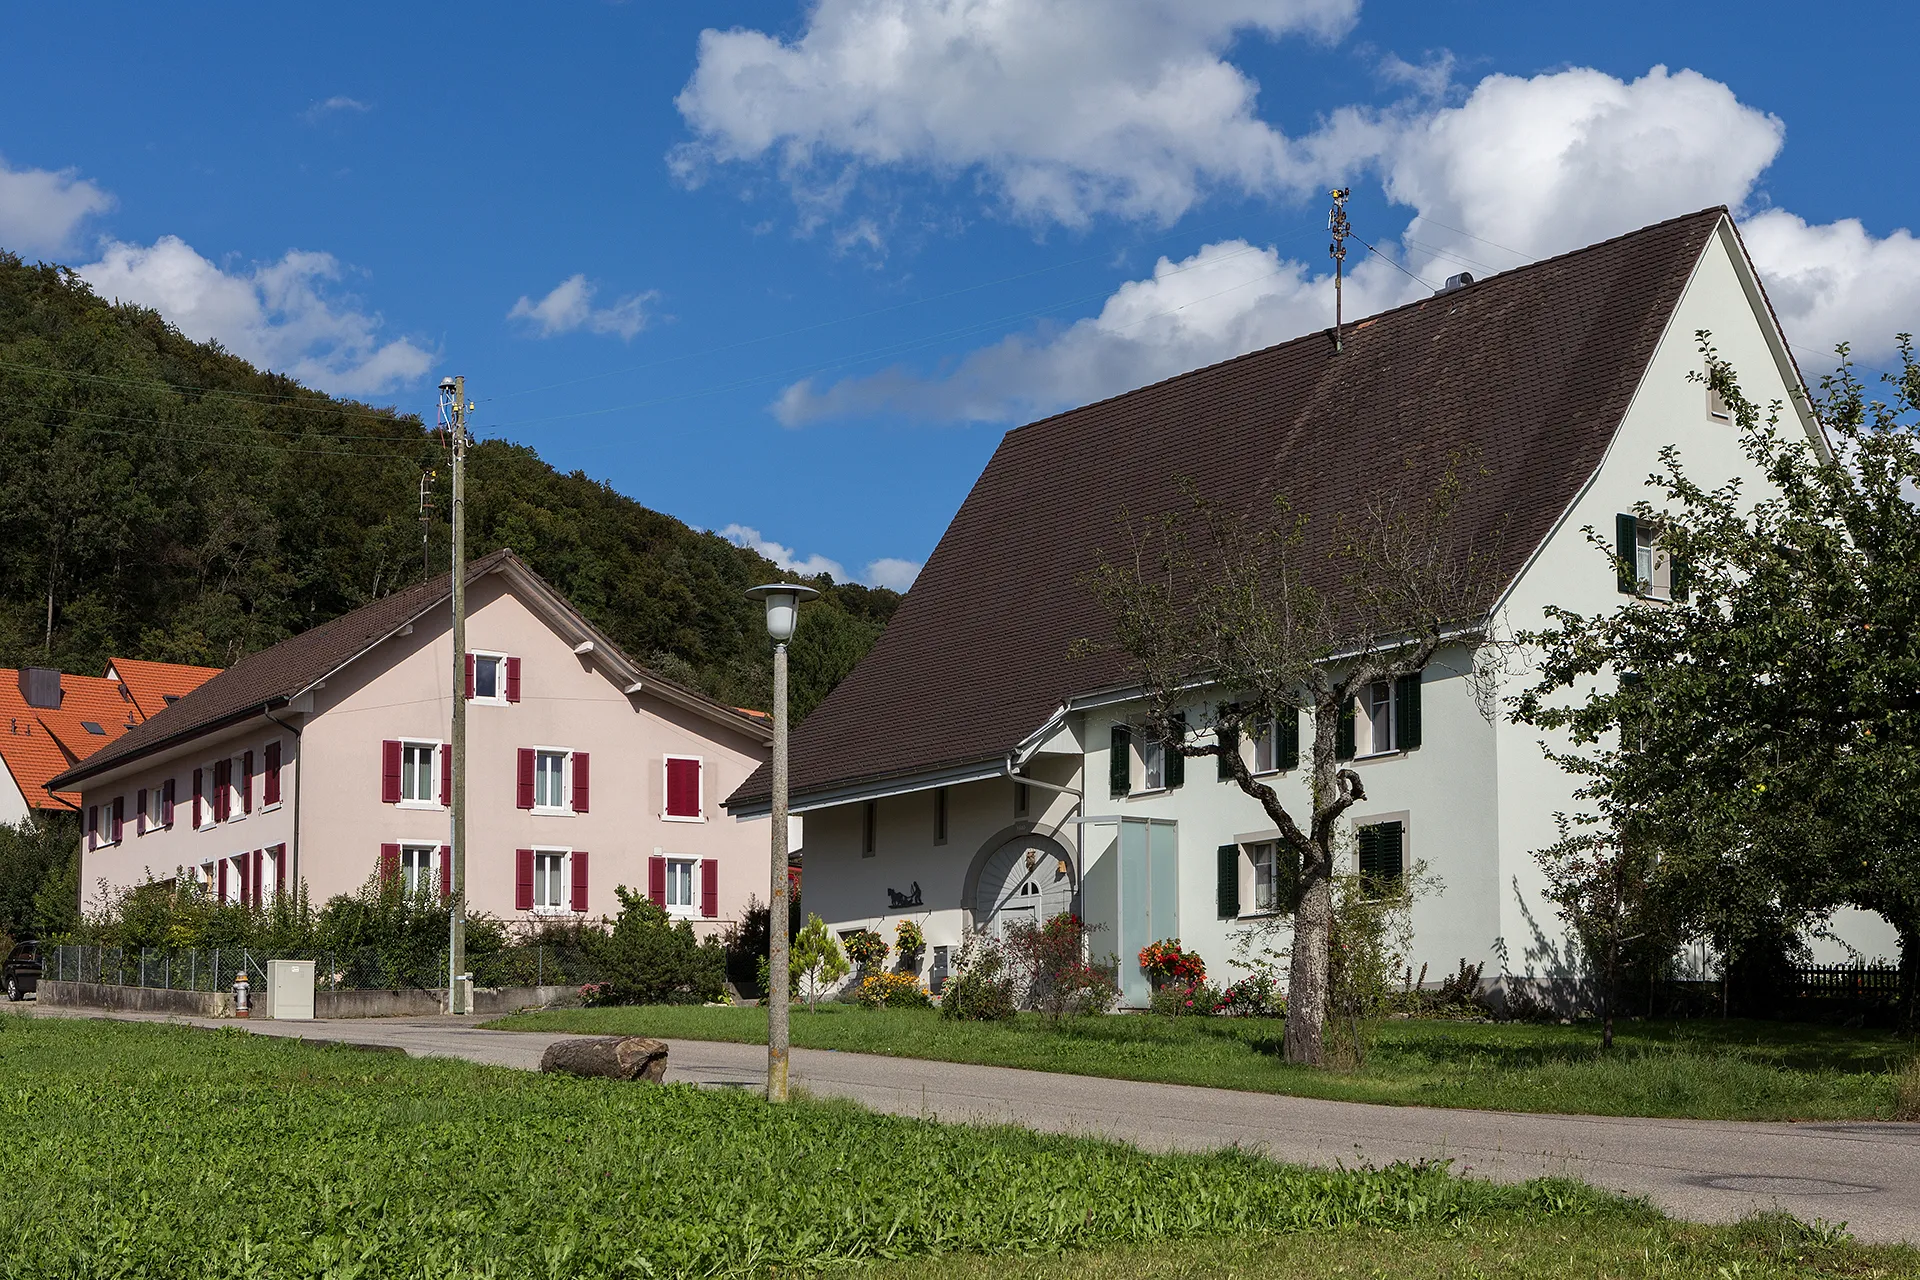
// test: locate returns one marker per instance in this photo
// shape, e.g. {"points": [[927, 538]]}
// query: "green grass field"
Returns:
{"points": [[1704, 1069], [145, 1150]]}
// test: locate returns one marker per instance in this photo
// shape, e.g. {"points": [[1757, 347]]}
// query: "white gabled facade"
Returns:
{"points": [[1474, 799]]}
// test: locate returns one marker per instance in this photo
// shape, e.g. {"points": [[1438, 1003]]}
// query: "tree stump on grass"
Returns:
{"points": [[611, 1057]]}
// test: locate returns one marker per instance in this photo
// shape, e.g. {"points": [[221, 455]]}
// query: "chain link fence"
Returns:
{"points": [[358, 969]]}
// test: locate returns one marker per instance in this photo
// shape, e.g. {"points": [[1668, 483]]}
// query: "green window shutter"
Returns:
{"points": [[1176, 763], [1229, 895], [1679, 578], [1406, 712], [1343, 744], [1289, 740], [1380, 851], [1287, 892], [1626, 546], [1229, 741], [1120, 763]]}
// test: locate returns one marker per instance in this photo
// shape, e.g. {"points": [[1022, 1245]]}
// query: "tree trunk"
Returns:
{"points": [[1907, 1016], [610, 1057], [1307, 968]]}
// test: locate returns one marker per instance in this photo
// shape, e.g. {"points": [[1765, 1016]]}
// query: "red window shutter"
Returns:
{"points": [[140, 812], [513, 679], [709, 888], [279, 869], [523, 780], [166, 803], [259, 856], [657, 881], [389, 863], [93, 827], [446, 872], [223, 880], [270, 789], [469, 676], [446, 773], [390, 772], [222, 790], [523, 879], [246, 782], [579, 861], [119, 816], [579, 782], [198, 788], [683, 788]]}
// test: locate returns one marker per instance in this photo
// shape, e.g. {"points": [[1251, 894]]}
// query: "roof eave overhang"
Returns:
{"points": [[980, 770], [82, 773]]}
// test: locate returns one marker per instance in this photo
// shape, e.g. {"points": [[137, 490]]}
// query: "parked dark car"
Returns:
{"points": [[20, 971]]}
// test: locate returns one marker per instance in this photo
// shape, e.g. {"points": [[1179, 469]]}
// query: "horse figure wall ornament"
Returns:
{"points": [[911, 898]]}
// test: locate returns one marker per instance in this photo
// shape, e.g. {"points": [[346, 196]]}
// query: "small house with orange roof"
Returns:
{"points": [[51, 720]]}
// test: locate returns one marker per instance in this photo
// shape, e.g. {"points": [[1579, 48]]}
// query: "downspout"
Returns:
{"points": [[293, 846]]}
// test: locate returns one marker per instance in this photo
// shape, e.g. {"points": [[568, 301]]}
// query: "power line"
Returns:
{"points": [[1425, 217], [1396, 266]]}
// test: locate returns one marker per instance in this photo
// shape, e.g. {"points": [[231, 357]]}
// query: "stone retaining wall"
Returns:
{"points": [[487, 1001]]}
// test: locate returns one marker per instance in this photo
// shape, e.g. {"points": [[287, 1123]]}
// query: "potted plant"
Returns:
{"points": [[910, 941]]}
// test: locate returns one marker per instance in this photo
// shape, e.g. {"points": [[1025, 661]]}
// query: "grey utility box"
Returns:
{"points": [[290, 990]]}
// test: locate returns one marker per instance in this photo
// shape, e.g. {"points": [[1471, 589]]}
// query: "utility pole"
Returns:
{"points": [[453, 412], [1337, 223]]}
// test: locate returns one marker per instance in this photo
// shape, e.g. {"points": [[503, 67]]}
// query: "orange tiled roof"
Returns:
{"points": [[157, 685], [37, 743]]}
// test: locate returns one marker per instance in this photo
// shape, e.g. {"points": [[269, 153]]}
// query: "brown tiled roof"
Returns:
{"points": [[1532, 369]]}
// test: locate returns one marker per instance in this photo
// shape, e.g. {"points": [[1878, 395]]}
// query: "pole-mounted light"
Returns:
{"points": [[783, 600]]}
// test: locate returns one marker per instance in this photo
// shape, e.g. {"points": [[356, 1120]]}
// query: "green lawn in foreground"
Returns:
{"points": [[1706, 1068], [145, 1150]]}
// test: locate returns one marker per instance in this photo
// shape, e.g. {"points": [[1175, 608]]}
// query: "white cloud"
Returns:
{"points": [[279, 315], [885, 572], [337, 103], [569, 306], [1068, 107], [40, 208], [1538, 165]]}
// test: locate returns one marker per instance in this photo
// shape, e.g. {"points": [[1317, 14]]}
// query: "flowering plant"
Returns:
{"points": [[865, 948], [908, 939], [1167, 963], [1257, 995], [893, 991]]}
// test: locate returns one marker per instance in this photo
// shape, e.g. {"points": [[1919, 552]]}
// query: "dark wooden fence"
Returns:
{"points": [[1836, 982]]}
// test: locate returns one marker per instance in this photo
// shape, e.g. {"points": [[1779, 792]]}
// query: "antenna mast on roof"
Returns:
{"points": [[1337, 223]]}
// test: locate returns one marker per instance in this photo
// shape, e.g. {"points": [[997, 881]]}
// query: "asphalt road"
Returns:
{"points": [[1864, 1174]]}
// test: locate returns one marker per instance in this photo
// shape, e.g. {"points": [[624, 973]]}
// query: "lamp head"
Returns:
{"points": [[783, 600]]}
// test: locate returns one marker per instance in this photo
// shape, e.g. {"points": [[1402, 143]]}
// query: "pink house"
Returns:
{"points": [[324, 760]]}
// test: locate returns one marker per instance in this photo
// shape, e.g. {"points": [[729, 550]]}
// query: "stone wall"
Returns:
{"points": [[487, 1001]]}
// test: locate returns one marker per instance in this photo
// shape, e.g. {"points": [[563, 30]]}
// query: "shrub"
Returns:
{"points": [[746, 943], [1049, 962], [648, 959], [815, 964], [866, 949], [1167, 963], [1258, 995], [893, 991], [981, 988], [1906, 1092]]}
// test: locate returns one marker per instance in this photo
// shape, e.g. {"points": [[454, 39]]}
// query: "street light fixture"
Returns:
{"points": [[783, 600]]}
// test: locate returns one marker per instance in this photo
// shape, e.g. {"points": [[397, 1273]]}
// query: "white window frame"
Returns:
{"points": [[431, 848], [1363, 714], [566, 781], [236, 879], [1717, 409], [499, 698], [689, 910], [103, 838], [149, 818], [434, 748], [565, 906], [1271, 849], [208, 786], [1266, 739], [701, 816], [1656, 583]]}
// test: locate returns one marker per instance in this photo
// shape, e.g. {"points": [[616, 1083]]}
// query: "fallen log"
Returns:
{"points": [[609, 1057]]}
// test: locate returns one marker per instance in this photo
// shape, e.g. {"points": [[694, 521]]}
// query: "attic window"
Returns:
{"points": [[169, 698], [125, 695], [92, 727], [1717, 407]]}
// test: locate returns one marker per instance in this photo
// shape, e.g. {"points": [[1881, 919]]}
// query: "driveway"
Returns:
{"points": [[1864, 1174]]}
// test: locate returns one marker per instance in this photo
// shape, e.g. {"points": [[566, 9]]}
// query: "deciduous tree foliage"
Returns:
{"points": [[161, 498], [1762, 764]]}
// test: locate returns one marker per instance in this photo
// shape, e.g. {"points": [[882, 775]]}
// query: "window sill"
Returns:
{"points": [[681, 817], [414, 804], [1265, 773], [550, 811], [555, 911], [1148, 793], [1269, 913], [269, 808], [1376, 755], [488, 702]]}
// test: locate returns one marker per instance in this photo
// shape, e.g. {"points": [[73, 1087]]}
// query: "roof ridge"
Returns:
{"points": [[1501, 276]]}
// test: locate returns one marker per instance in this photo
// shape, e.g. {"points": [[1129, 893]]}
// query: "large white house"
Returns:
{"points": [[979, 767]]}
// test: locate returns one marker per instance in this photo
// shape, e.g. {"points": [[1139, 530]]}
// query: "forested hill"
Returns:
{"points": [[160, 498]]}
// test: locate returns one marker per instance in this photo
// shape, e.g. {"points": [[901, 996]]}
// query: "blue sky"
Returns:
{"points": [[790, 271]]}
